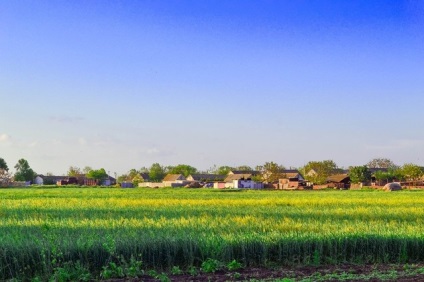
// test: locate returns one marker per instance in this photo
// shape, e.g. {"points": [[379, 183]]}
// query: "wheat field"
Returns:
{"points": [[42, 229]]}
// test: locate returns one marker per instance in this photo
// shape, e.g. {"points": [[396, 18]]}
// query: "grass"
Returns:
{"points": [[44, 231]]}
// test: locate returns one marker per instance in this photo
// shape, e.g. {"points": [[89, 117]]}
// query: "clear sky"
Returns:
{"points": [[124, 84]]}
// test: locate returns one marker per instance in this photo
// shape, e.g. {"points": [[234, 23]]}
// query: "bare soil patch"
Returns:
{"points": [[347, 272]]}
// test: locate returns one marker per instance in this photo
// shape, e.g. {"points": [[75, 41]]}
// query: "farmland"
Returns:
{"points": [[91, 230]]}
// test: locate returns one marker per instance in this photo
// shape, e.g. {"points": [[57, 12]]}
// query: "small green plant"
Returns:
{"points": [[112, 270], [133, 268], [153, 273], [71, 272], [234, 265], [210, 265], [316, 258], [236, 275], [176, 270], [192, 270], [109, 245], [163, 277]]}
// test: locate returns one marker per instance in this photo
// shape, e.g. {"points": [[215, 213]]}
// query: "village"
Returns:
{"points": [[288, 179], [315, 175]]}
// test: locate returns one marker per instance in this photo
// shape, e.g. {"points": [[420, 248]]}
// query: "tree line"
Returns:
{"points": [[314, 171]]}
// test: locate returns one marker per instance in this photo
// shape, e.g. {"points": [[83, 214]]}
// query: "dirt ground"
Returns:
{"points": [[349, 272]]}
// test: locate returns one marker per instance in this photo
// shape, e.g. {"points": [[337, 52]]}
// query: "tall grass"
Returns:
{"points": [[42, 229]]}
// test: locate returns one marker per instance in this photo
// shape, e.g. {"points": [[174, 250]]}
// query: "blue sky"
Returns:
{"points": [[124, 84]]}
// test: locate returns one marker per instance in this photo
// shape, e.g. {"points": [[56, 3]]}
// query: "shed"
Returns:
{"points": [[341, 181]]}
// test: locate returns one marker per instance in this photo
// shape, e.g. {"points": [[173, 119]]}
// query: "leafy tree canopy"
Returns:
{"points": [[183, 169], [271, 172], [3, 164], [381, 163], [133, 173], [224, 170], [156, 172], [244, 168], [318, 171], [359, 174], [144, 170], [411, 171], [23, 171], [123, 178], [97, 174], [86, 169], [74, 171]]}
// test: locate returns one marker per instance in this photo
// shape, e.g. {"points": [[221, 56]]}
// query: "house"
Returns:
{"points": [[174, 180], [109, 181], [208, 178], [127, 185], [252, 172], [242, 180], [244, 176], [144, 176], [247, 184], [293, 175], [292, 180], [141, 177], [80, 179], [41, 179], [341, 181], [67, 181]]}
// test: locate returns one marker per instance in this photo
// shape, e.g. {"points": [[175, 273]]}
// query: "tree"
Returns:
{"points": [[383, 175], [244, 168], [5, 177], [133, 173], [156, 172], [318, 171], [359, 174], [86, 169], [144, 170], [74, 171], [123, 178], [183, 169], [271, 172], [411, 172], [3, 165], [380, 163], [212, 170], [137, 179], [97, 174], [224, 170], [24, 171], [392, 174]]}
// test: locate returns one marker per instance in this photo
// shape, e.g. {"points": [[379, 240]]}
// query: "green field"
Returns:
{"points": [[45, 231]]}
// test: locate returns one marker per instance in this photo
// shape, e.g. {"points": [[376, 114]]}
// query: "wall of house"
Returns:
{"points": [[219, 185], [247, 184], [176, 183], [229, 184], [38, 180], [286, 183], [127, 185], [151, 184], [106, 182]]}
